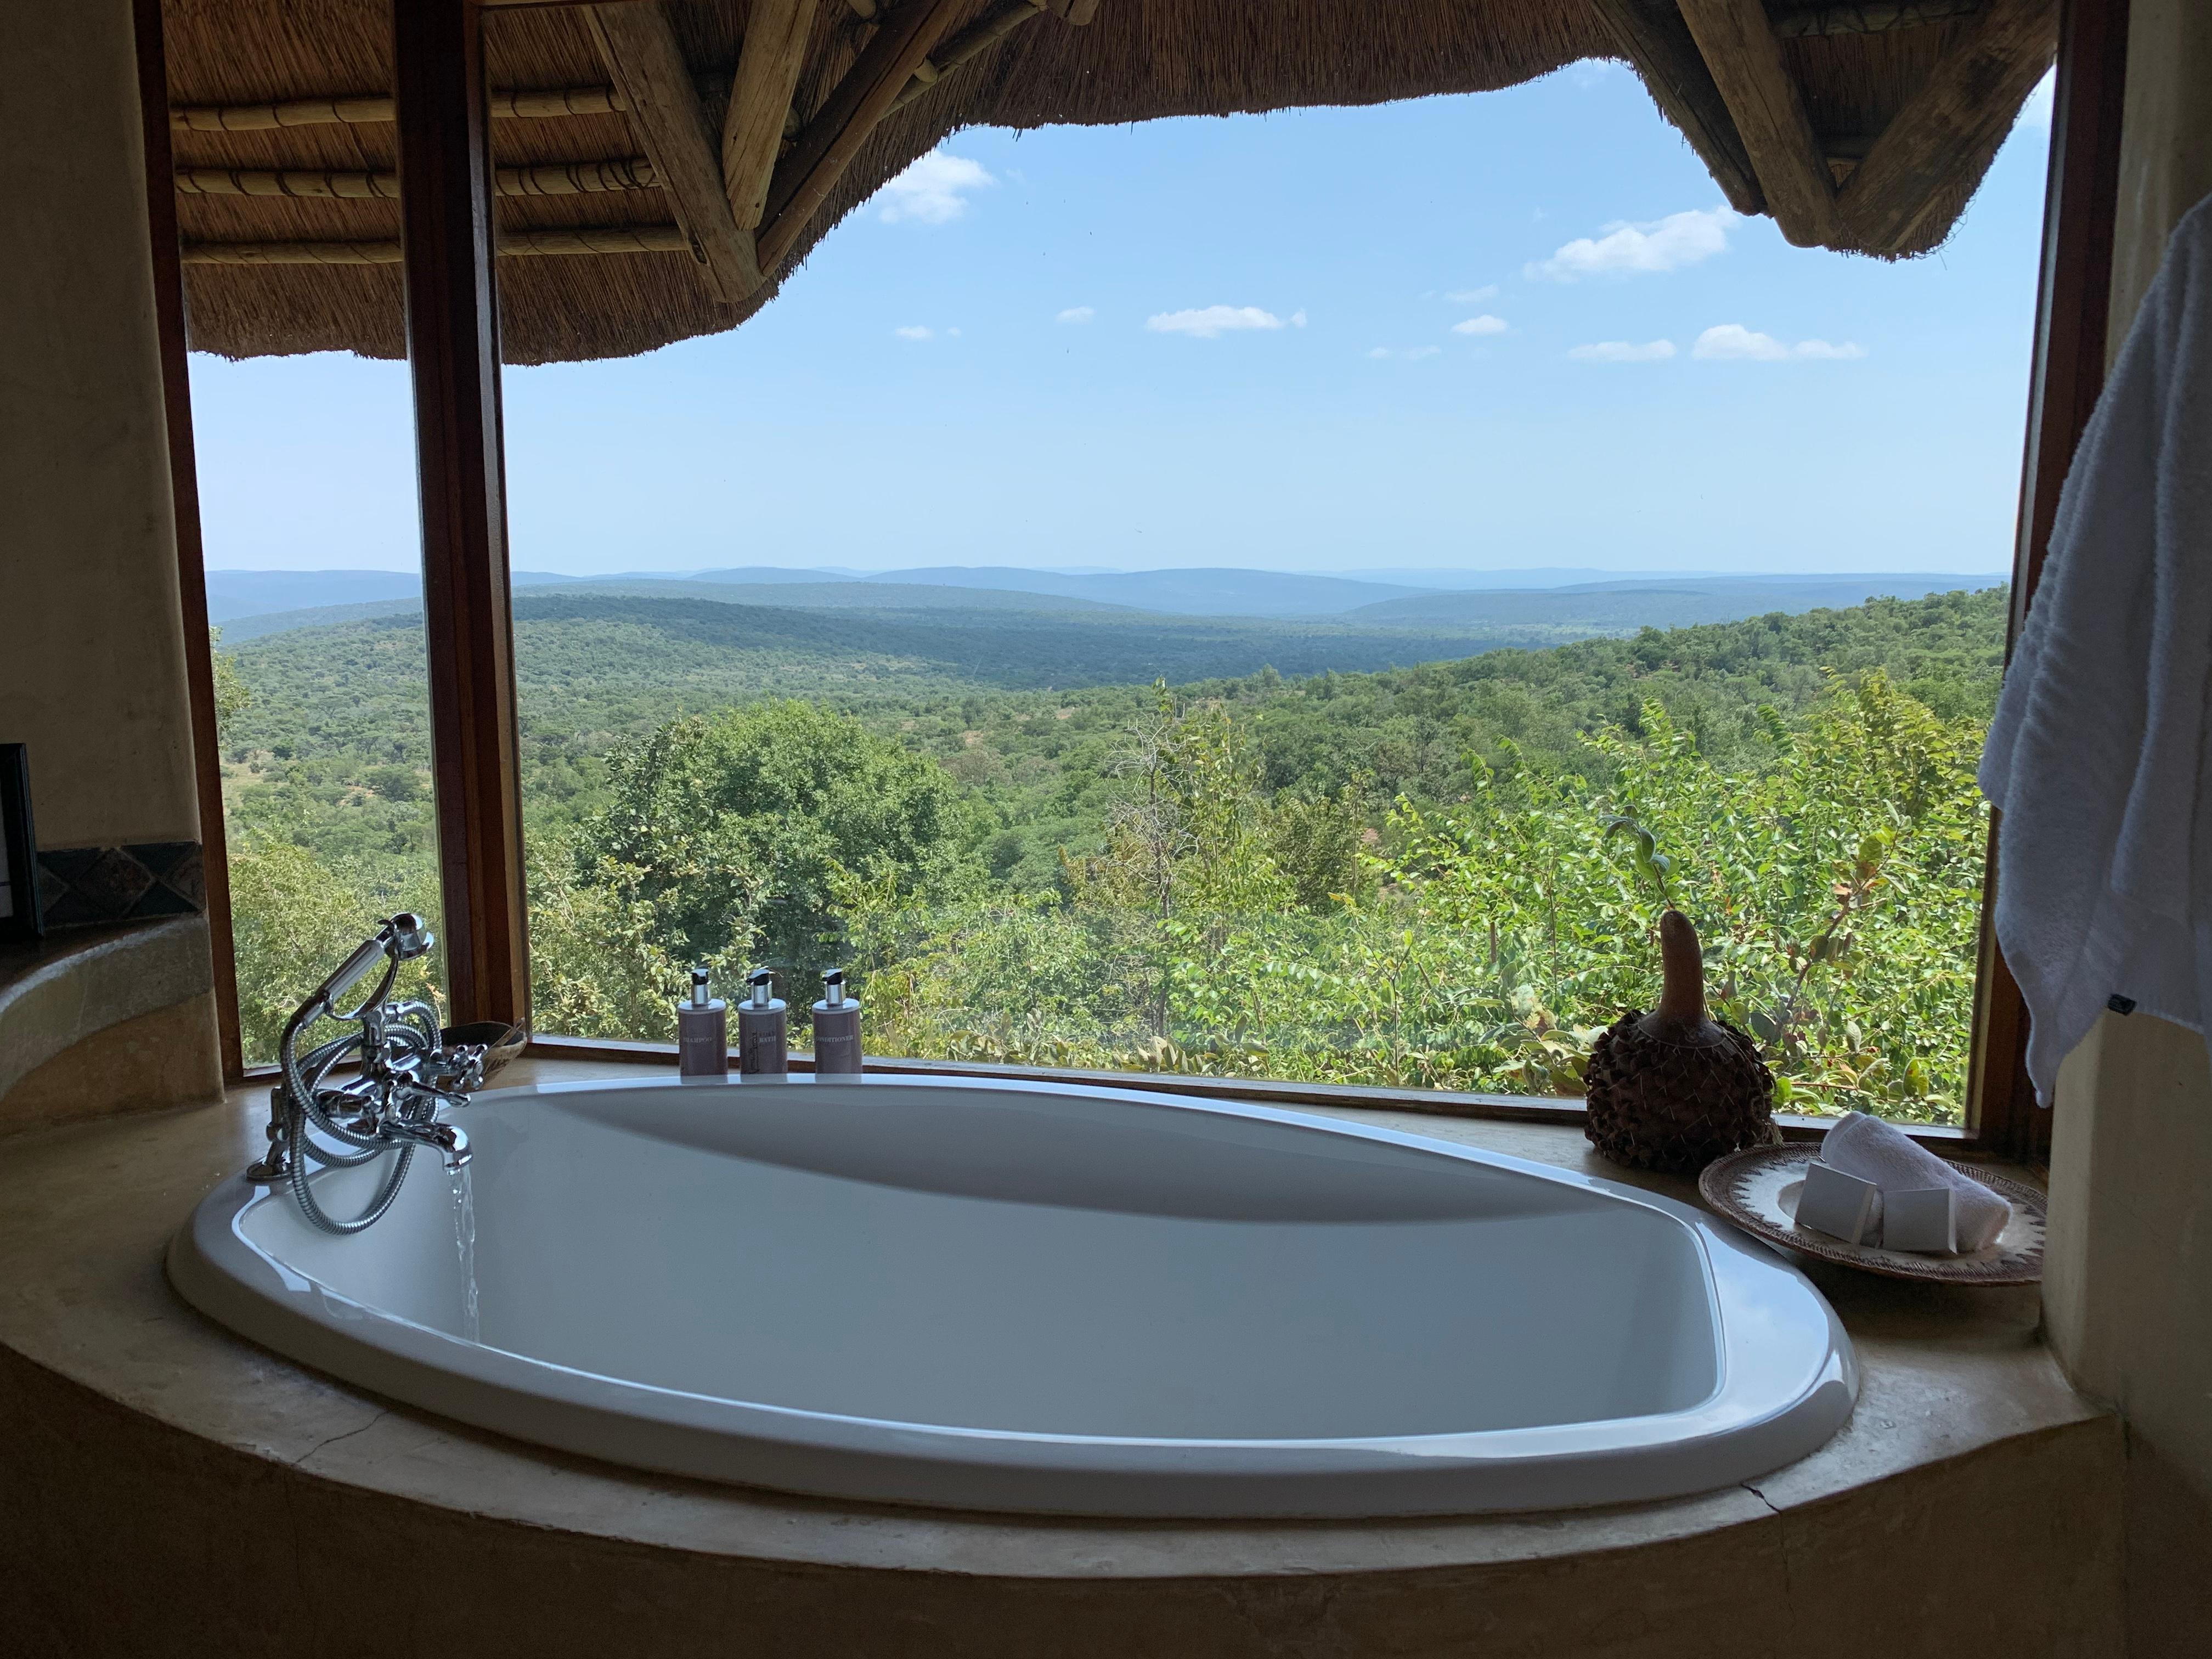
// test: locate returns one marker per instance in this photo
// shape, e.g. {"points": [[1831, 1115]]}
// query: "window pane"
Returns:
{"points": [[1265, 659], [307, 474]]}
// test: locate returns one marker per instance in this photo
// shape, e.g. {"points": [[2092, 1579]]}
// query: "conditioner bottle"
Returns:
{"points": [[836, 1028], [764, 1032], [702, 1032]]}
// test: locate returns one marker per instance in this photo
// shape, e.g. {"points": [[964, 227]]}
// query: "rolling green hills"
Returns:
{"points": [[605, 662], [1426, 838], [1028, 709]]}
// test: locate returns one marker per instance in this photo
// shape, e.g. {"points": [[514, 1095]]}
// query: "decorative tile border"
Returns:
{"points": [[88, 886]]}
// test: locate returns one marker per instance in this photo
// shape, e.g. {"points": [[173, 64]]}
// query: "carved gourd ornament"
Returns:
{"points": [[1674, 1088]]}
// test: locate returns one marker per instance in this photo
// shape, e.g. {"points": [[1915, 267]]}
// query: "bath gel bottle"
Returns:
{"points": [[764, 1033], [702, 1032], [836, 1028]]}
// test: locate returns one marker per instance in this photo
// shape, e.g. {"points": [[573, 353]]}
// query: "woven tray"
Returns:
{"points": [[502, 1043], [1758, 1190]]}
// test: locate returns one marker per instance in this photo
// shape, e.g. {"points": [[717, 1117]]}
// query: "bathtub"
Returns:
{"points": [[1035, 1297]]}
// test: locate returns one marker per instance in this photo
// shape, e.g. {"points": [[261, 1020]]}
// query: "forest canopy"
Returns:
{"points": [[1397, 877]]}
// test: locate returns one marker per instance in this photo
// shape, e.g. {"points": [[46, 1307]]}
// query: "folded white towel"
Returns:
{"points": [[1884, 1154], [2100, 755]]}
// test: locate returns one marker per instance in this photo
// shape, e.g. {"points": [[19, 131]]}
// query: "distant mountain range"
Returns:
{"points": [[1613, 607], [251, 604], [236, 594], [818, 595], [1268, 593]]}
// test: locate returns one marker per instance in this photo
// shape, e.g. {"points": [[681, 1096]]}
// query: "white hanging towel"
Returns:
{"points": [[2100, 755]]}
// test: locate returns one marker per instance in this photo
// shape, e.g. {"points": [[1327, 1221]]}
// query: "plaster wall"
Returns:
{"points": [[2128, 1287], [92, 663], [2165, 156], [2127, 1298]]}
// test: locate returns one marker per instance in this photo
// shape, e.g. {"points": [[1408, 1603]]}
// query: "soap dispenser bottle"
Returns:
{"points": [[836, 1028], [764, 1032], [702, 1032]]}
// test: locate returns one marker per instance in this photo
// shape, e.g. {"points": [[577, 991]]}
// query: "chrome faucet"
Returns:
{"points": [[402, 1077]]}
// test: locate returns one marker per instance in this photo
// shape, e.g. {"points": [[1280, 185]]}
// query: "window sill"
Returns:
{"points": [[1562, 1111]]}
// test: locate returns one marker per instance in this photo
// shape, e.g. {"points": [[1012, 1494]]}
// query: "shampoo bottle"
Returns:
{"points": [[764, 1032], [836, 1028], [702, 1032]]}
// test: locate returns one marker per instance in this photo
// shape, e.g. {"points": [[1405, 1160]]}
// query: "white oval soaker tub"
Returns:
{"points": [[1046, 1299]]}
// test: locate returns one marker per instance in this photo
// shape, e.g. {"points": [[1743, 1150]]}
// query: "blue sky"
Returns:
{"points": [[1511, 330]]}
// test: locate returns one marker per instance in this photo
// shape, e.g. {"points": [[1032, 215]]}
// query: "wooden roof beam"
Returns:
{"points": [[803, 180], [647, 66], [1657, 41], [962, 49], [769, 63], [375, 109], [1870, 17], [512, 244], [1963, 111], [324, 184], [1745, 59]]}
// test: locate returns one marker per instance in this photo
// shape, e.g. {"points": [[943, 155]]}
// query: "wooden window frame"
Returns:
{"points": [[453, 354], [166, 253], [454, 359], [2072, 315]]}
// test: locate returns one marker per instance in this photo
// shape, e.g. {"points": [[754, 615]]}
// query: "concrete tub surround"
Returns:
{"points": [[99, 1020], [1974, 1497]]}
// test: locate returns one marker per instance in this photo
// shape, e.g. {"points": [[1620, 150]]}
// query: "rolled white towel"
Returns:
{"points": [[1884, 1154]]}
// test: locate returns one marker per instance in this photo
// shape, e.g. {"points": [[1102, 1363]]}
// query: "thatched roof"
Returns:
{"points": [[300, 262]]}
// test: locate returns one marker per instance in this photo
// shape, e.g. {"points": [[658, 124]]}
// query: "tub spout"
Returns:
{"points": [[449, 1141]]}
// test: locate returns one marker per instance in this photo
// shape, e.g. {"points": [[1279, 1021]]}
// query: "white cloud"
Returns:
{"points": [[1625, 250], [1734, 343], [1208, 321], [1076, 315], [915, 331], [1623, 351], [2036, 111], [1408, 353], [1484, 324], [934, 190], [1472, 296]]}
